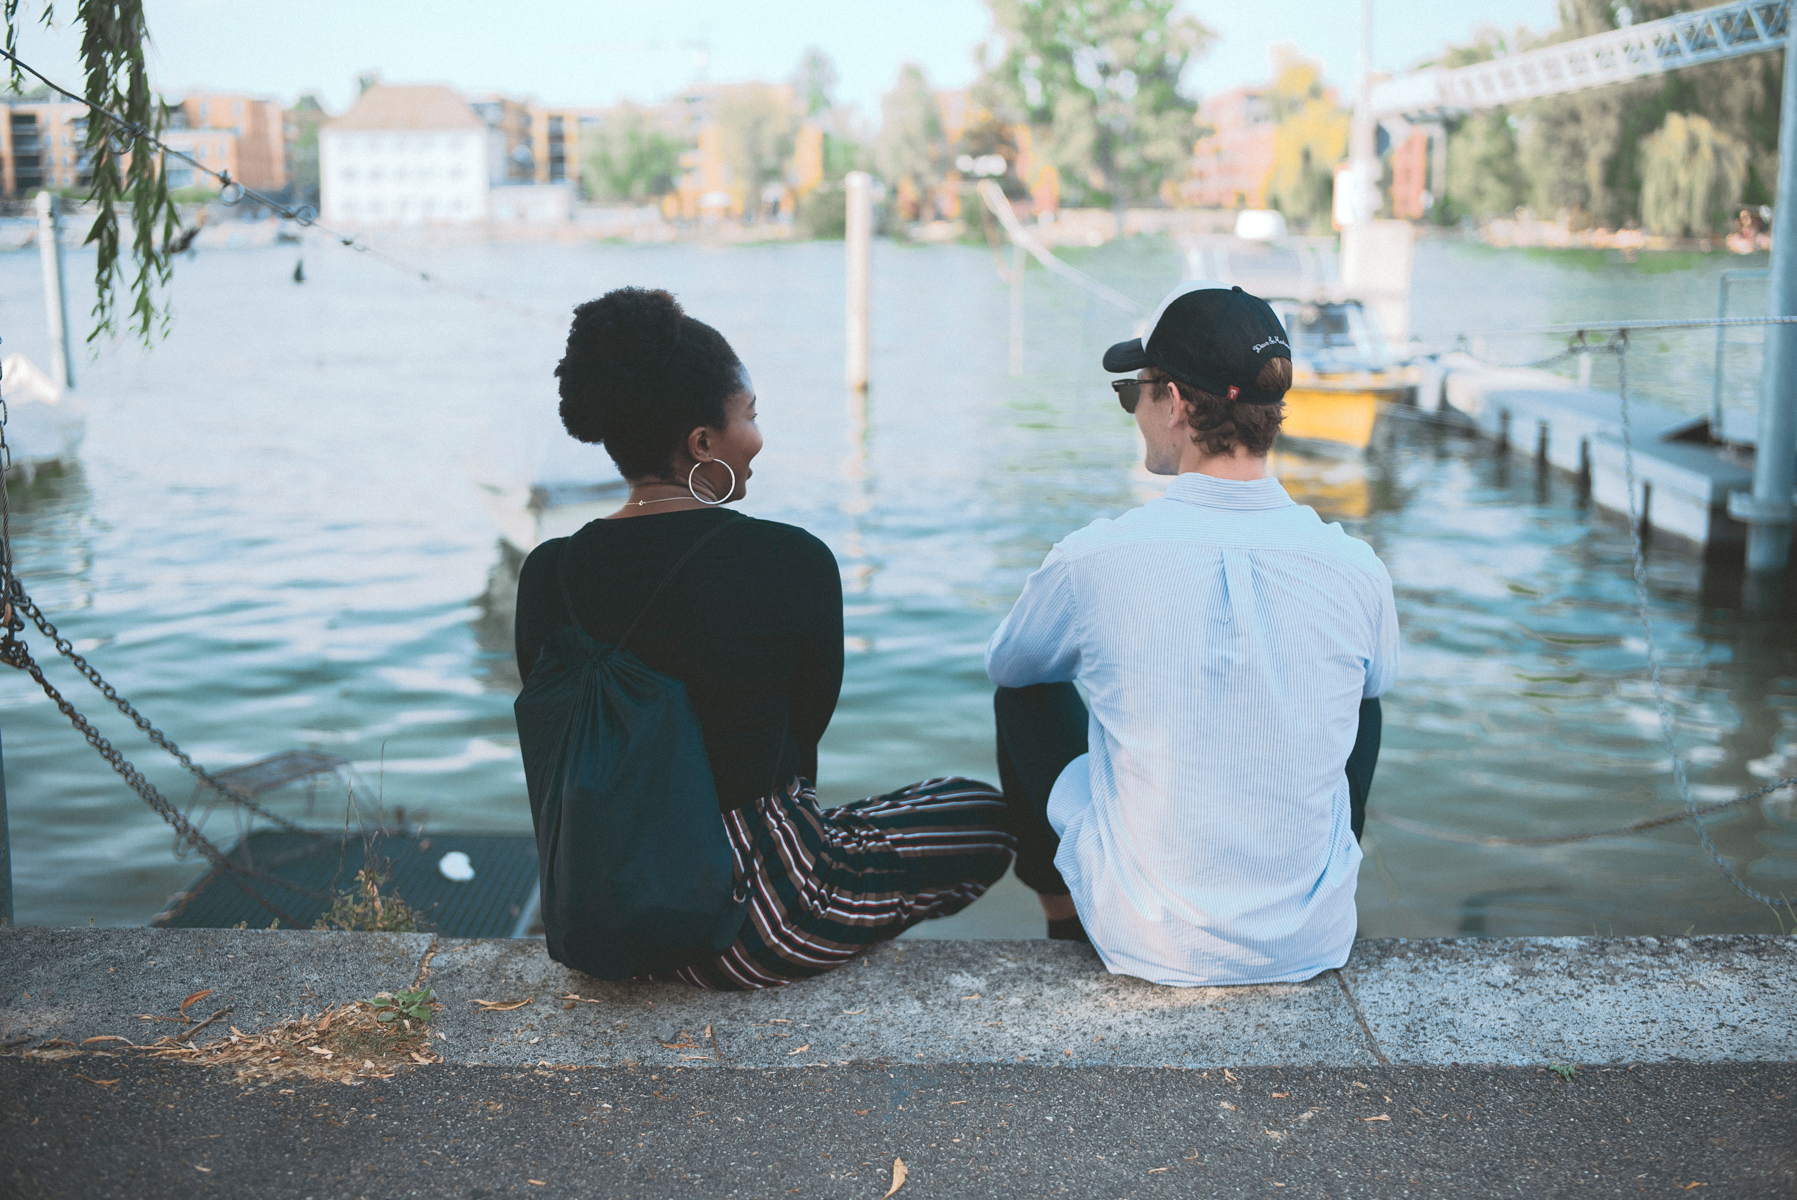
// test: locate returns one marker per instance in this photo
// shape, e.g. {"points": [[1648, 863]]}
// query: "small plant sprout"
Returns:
{"points": [[1564, 1070], [391, 1006]]}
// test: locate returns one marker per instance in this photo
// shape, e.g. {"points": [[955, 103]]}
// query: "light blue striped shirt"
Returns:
{"points": [[1224, 637]]}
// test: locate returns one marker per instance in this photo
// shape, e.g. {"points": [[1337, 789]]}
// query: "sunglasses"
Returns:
{"points": [[1130, 391]]}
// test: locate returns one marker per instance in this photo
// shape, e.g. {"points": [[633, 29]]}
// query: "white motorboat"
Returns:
{"points": [[539, 483], [45, 424]]}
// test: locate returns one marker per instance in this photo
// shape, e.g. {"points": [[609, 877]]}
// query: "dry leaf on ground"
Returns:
{"points": [[503, 1005], [107, 1037], [898, 1177], [799, 1050], [101, 1082], [193, 1000], [1380, 1117]]}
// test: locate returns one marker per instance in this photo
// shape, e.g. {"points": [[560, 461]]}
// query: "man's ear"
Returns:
{"points": [[1180, 411]]}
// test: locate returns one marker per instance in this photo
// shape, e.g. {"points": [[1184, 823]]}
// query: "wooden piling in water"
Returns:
{"points": [[858, 236]]}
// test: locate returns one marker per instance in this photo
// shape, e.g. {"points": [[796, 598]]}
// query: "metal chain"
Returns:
{"points": [[1619, 346], [15, 653], [22, 603]]}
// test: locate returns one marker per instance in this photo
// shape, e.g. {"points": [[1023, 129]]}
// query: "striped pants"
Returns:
{"points": [[826, 884]]}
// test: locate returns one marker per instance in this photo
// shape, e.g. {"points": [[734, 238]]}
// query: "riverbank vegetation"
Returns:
{"points": [[1678, 154]]}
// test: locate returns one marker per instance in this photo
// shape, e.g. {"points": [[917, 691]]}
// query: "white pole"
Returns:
{"points": [[1017, 264], [1360, 133], [56, 305], [1768, 511], [859, 235]]}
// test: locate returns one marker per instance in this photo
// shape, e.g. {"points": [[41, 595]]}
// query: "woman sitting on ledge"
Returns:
{"points": [[752, 626]]}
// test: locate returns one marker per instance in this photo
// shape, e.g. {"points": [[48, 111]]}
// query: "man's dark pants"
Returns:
{"points": [[1043, 728]]}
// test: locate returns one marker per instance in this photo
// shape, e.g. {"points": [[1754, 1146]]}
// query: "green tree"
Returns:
{"points": [[757, 125], [814, 81], [1692, 175], [1581, 153], [127, 168], [305, 118], [1311, 137], [1100, 79], [628, 157], [911, 146], [1485, 176]]}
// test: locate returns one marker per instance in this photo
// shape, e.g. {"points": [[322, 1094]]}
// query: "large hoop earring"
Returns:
{"points": [[728, 492]]}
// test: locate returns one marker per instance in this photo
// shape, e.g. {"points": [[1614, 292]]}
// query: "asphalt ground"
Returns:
{"points": [[106, 1126]]}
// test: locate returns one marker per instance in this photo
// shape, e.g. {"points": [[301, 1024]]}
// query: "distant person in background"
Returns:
{"points": [[752, 626], [1199, 825]]}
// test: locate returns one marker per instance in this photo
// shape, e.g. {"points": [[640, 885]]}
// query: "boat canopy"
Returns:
{"points": [[1333, 335]]}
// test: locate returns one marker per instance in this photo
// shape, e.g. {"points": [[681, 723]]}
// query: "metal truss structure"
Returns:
{"points": [[1651, 48]]}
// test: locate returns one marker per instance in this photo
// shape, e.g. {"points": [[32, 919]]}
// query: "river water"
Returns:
{"points": [[274, 541]]}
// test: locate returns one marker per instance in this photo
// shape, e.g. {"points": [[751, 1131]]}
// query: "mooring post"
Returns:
{"points": [[859, 233], [1767, 511], [56, 305]]}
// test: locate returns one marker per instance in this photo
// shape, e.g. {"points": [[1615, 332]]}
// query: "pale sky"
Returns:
{"points": [[603, 51]]}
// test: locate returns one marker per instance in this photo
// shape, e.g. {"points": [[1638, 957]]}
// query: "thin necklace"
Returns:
{"points": [[663, 500]]}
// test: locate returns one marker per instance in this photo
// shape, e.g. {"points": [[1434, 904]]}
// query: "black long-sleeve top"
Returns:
{"points": [[752, 625]]}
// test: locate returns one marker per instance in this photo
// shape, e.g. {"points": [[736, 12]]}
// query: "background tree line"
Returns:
{"points": [[1678, 153], [1098, 83]]}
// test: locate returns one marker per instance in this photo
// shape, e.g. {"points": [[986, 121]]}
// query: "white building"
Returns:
{"points": [[407, 155]]}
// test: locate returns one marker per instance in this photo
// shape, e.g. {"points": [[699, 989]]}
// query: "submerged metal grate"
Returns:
{"points": [[491, 904]]}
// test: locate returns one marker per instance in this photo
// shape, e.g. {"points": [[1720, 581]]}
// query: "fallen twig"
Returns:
{"points": [[215, 1016]]}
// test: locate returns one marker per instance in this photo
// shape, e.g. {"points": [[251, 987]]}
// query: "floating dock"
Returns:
{"points": [[1684, 470]]}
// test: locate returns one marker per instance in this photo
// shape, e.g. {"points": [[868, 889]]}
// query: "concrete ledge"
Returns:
{"points": [[77, 983], [1465, 1001], [1516, 1001]]}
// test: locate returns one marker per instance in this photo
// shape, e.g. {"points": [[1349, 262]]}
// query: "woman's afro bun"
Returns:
{"points": [[639, 375]]}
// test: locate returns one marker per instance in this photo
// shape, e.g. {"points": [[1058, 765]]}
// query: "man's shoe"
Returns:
{"points": [[1068, 929]]}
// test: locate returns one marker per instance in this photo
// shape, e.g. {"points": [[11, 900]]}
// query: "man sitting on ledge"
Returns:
{"points": [[1200, 826]]}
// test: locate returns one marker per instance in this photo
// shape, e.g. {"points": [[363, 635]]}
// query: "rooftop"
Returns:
{"points": [[408, 106]]}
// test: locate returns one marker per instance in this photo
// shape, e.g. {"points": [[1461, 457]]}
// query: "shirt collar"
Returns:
{"points": [[1240, 495]]}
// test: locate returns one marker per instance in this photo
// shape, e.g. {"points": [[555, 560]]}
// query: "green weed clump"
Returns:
{"points": [[364, 909], [414, 1004]]}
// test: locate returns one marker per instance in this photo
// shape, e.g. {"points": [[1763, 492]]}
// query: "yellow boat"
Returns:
{"points": [[1342, 371]]}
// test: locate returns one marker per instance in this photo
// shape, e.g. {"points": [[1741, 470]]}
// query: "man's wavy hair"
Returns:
{"points": [[1219, 425]]}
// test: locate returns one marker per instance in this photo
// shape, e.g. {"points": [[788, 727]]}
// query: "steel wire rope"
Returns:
{"points": [[1462, 339], [994, 199], [1619, 346], [301, 214]]}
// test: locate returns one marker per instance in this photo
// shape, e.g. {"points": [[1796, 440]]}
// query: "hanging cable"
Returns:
{"points": [[1001, 208], [231, 192]]}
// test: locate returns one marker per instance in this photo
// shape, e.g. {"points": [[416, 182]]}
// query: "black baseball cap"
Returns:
{"points": [[1210, 336]]}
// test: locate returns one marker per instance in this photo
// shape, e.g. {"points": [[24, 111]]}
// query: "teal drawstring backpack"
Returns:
{"points": [[636, 872]]}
